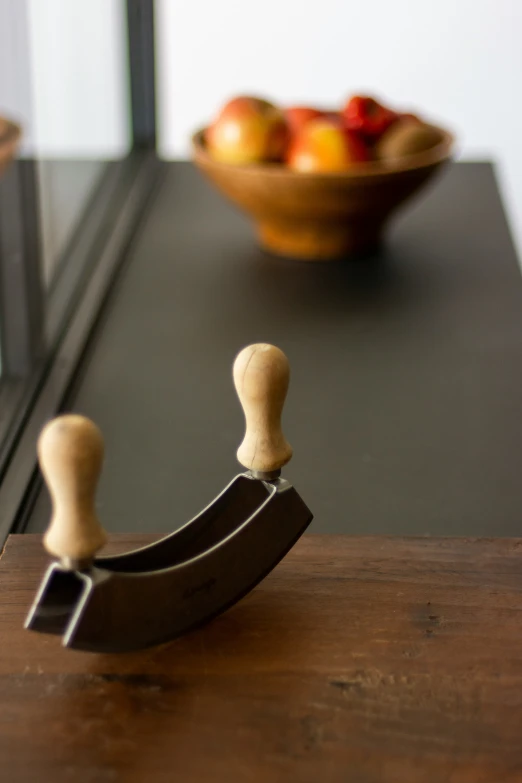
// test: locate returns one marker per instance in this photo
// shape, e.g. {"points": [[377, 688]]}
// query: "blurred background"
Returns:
{"points": [[68, 90], [459, 61], [99, 87]]}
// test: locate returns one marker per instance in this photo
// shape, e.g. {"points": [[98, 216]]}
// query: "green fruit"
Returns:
{"points": [[407, 137]]}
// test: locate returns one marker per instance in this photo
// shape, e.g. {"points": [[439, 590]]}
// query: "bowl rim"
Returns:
{"points": [[439, 153], [10, 133]]}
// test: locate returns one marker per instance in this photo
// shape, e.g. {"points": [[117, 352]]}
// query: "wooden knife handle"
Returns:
{"points": [[261, 377], [70, 452]]}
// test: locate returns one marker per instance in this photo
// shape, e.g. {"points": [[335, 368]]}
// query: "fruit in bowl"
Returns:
{"points": [[324, 144], [248, 130], [320, 184], [10, 135], [298, 116], [364, 115], [407, 136]]}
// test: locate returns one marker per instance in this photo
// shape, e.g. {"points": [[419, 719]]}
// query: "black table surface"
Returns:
{"points": [[404, 408]]}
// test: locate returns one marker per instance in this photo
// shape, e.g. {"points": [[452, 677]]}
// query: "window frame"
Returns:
{"points": [[40, 356]]}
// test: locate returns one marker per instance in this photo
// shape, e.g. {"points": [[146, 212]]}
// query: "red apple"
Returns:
{"points": [[248, 130], [298, 116], [367, 116], [324, 145]]}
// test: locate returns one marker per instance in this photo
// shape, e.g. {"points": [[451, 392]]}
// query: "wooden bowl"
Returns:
{"points": [[322, 216], [10, 135]]}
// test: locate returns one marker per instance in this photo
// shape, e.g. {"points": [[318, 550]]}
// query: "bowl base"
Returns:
{"points": [[307, 241]]}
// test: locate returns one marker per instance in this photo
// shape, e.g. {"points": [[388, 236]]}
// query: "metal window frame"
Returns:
{"points": [[142, 70], [21, 294], [40, 359]]}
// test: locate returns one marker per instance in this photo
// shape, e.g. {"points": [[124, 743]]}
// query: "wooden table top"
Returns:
{"points": [[361, 659]]}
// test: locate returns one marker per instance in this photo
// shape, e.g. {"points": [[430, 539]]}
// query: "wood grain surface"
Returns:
{"points": [[361, 660]]}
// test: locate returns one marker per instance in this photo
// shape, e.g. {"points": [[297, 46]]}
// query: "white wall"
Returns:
{"points": [[458, 60], [16, 99], [64, 77], [80, 95]]}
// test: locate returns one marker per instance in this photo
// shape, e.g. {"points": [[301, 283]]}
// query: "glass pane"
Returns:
{"points": [[64, 187], [64, 79], [80, 113]]}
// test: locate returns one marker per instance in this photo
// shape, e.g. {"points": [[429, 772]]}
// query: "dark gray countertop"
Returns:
{"points": [[405, 403]]}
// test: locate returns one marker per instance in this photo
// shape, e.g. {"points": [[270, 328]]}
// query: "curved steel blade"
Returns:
{"points": [[156, 593]]}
